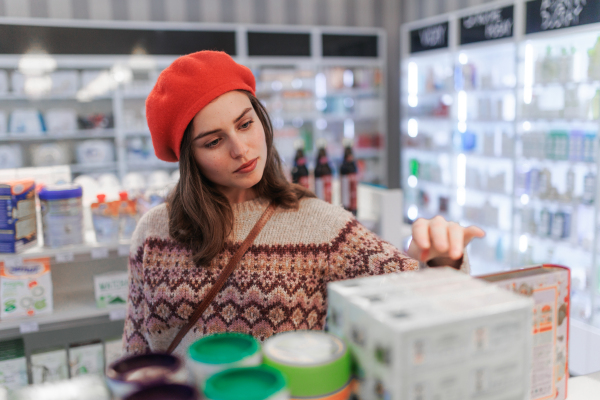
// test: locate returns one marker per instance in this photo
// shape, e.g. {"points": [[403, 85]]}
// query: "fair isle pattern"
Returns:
{"points": [[279, 285]]}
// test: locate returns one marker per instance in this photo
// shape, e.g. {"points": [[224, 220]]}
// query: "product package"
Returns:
{"points": [[105, 217], [3, 124], [110, 289], [65, 82], [95, 151], [62, 215], [128, 216], [86, 358], [27, 120], [550, 287], [113, 350], [61, 120], [18, 226], [432, 334], [13, 364], [3, 82], [49, 154], [11, 156], [25, 288], [49, 365]]}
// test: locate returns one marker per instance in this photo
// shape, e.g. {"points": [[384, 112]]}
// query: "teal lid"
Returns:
{"points": [[223, 348], [251, 383]]}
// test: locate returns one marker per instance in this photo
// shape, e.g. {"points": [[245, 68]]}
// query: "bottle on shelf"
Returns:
{"points": [[323, 173], [349, 178], [300, 172]]}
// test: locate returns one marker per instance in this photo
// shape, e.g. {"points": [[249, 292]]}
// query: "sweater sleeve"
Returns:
{"points": [[358, 252], [134, 334]]}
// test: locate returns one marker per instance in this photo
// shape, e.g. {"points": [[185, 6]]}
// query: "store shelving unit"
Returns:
{"points": [[521, 140]]}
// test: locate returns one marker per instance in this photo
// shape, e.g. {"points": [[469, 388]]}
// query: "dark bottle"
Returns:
{"points": [[323, 173], [349, 175], [300, 172]]}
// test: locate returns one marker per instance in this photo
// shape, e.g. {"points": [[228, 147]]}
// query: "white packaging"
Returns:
{"points": [[50, 154], [422, 336], [49, 366], [3, 124], [17, 83], [113, 350], [26, 120], [3, 82], [61, 120], [88, 76], [11, 156], [13, 365], [25, 288], [95, 152], [111, 289], [86, 359], [64, 82]]}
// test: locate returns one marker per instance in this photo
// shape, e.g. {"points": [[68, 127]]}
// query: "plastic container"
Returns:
{"points": [[105, 217], [215, 353], [131, 374], [62, 215], [316, 363], [166, 392], [254, 383]]}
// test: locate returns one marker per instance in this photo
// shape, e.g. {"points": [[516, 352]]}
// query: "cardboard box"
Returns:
{"points": [[25, 288], [111, 289], [49, 365], [18, 225], [550, 287], [13, 365], [113, 350], [86, 358], [433, 334]]}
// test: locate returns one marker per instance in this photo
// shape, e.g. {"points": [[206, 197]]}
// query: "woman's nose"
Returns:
{"points": [[238, 148]]}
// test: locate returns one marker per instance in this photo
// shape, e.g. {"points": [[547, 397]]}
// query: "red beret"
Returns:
{"points": [[183, 89]]}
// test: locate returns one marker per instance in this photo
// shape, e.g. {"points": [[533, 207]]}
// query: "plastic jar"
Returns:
{"points": [[62, 215], [217, 352], [253, 383], [169, 391], [130, 374]]}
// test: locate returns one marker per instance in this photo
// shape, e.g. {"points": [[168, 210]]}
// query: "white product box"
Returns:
{"points": [[3, 82], [64, 82], [26, 121], [113, 350], [25, 288], [86, 358], [13, 365], [111, 289], [3, 123], [95, 151], [61, 120], [419, 335], [49, 366], [10, 156]]}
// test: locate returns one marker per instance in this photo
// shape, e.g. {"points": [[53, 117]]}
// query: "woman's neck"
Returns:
{"points": [[236, 196]]}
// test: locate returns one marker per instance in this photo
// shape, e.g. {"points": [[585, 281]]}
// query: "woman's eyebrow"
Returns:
{"points": [[217, 130]]}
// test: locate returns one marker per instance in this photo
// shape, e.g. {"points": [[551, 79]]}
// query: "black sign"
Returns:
{"points": [[429, 38], [487, 25], [546, 15], [349, 45], [278, 44], [19, 39]]}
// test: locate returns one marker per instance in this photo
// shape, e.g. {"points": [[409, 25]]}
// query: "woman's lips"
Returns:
{"points": [[248, 167]]}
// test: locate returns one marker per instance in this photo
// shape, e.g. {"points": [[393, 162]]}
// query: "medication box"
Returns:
{"points": [[49, 365], [432, 334], [86, 358], [111, 289], [550, 287], [18, 226], [25, 288], [13, 365]]}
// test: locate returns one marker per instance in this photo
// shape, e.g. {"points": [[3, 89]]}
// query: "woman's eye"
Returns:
{"points": [[213, 143], [246, 125]]}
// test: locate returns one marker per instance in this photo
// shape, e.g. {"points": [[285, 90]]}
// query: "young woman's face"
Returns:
{"points": [[229, 145]]}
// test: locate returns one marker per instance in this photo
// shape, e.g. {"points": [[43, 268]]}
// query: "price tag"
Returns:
{"points": [[29, 327], [13, 261], [99, 252], [117, 314], [123, 250], [65, 257]]}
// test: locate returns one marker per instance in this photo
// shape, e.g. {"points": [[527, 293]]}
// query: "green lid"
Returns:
{"points": [[251, 383], [223, 348]]}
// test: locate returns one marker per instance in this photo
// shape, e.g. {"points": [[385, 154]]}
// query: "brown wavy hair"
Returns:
{"points": [[201, 217]]}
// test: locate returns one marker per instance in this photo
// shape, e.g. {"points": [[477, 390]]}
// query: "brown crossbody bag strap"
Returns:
{"points": [[224, 275]]}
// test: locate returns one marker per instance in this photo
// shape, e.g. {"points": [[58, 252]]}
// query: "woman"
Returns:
{"points": [[203, 113]]}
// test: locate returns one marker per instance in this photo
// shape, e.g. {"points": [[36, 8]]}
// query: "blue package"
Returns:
{"points": [[18, 225]]}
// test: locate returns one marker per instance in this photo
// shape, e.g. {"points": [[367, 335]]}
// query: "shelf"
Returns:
{"points": [[65, 135], [89, 250], [550, 202], [488, 90], [489, 193], [427, 152], [565, 121], [367, 153], [430, 118], [468, 222], [552, 163], [52, 97], [99, 167], [494, 159], [151, 164], [74, 309], [137, 132]]}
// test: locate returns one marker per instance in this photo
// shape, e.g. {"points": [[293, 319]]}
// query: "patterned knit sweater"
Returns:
{"points": [[279, 285]]}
